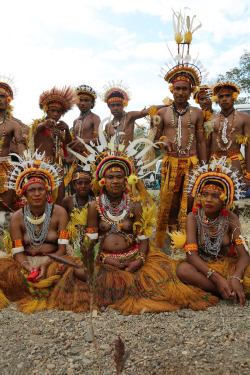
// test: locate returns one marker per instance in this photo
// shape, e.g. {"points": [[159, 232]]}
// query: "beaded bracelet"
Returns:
{"points": [[237, 278], [141, 256], [210, 272]]}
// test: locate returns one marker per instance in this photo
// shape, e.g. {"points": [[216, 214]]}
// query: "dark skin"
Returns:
{"points": [[241, 126], [12, 129], [44, 142], [115, 184], [36, 198], [87, 127], [117, 110], [195, 270], [82, 188], [205, 102], [181, 93]]}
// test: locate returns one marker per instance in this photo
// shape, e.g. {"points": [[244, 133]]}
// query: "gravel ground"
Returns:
{"points": [[215, 341]]}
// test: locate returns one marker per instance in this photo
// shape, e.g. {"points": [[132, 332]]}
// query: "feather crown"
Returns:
{"points": [[64, 98], [7, 87], [115, 89], [85, 89]]}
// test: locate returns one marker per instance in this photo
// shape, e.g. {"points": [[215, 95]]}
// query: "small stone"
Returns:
{"points": [[88, 336], [51, 366]]}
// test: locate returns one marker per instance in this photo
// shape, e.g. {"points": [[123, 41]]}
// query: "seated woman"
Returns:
{"points": [[132, 275], [37, 229], [211, 231], [83, 194]]}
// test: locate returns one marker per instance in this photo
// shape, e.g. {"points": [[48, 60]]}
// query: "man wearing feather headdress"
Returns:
{"points": [[117, 96], [86, 125], [181, 134], [231, 130], [9, 129], [50, 134]]}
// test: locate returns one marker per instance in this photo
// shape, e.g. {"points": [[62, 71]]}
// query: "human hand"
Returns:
{"points": [[115, 262], [43, 269], [168, 145], [238, 292], [61, 125], [76, 146], [224, 288], [247, 182], [49, 123], [134, 265]]}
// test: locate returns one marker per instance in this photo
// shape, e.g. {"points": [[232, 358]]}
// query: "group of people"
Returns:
{"points": [[202, 175]]}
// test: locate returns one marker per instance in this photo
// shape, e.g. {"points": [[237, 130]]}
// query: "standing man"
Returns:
{"points": [[203, 97], [87, 124], [8, 129], [50, 134], [231, 129], [117, 97]]}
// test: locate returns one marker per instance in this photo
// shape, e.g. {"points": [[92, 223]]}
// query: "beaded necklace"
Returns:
{"points": [[224, 141], [37, 235], [211, 248], [81, 122], [117, 126], [3, 132], [178, 127], [78, 205]]}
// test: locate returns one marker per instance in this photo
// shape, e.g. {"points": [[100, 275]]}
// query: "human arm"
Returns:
{"points": [[20, 139], [247, 149], [61, 222], [195, 260], [135, 115], [17, 236], [46, 124], [200, 141], [243, 260]]}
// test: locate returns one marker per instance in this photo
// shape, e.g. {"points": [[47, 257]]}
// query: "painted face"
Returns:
{"points": [[181, 92], [84, 103], [204, 102], [115, 183], [36, 195], [116, 108], [54, 113], [210, 200], [82, 187], [225, 100], [3, 102]]}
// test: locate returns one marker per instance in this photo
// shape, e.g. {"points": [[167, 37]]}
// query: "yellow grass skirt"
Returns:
{"points": [[153, 288]]}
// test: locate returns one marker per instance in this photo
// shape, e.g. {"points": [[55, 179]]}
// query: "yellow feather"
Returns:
{"points": [[178, 239]]}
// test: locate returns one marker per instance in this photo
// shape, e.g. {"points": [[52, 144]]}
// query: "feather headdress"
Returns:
{"points": [[7, 87], [63, 98], [182, 67], [33, 165], [116, 91], [85, 89], [225, 85], [220, 171], [105, 154]]}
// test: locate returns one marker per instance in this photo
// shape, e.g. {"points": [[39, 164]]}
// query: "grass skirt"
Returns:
{"points": [[153, 288]]}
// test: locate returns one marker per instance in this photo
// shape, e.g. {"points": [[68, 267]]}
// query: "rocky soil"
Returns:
{"points": [[215, 341]]}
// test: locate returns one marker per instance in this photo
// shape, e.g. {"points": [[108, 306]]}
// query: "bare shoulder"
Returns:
{"points": [[66, 201], [138, 207], [191, 220], [233, 220], [59, 210], [196, 110], [243, 115], [13, 124], [17, 216], [95, 117]]}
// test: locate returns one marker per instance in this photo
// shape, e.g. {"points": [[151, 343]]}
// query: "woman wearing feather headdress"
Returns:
{"points": [[213, 232]]}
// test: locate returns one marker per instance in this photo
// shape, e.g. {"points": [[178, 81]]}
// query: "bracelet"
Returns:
{"points": [[238, 241], [103, 257], [210, 272], [25, 261], [191, 247], [237, 278], [141, 256]]}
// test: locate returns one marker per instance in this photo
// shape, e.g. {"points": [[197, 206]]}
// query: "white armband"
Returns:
{"points": [[142, 237], [92, 236], [16, 250], [62, 241]]}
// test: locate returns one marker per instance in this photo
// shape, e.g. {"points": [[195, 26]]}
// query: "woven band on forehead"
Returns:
{"points": [[79, 175]]}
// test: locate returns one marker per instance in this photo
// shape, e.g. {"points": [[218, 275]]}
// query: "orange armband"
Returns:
{"points": [[191, 247]]}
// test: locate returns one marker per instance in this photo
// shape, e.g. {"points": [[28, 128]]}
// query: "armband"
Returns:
{"points": [[62, 237], [92, 233], [103, 257], [210, 272], [191, 247], [238, 241], [247, 175], [142, 237], [17, 247]]}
